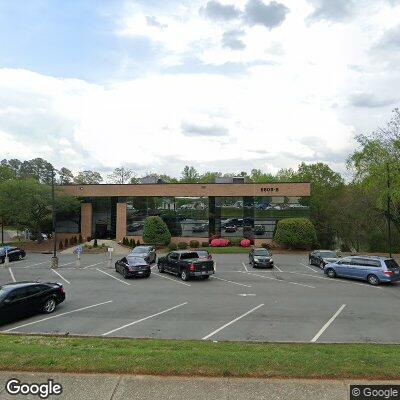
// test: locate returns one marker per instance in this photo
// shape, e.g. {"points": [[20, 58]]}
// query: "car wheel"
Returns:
{"points": [[2, 260], [49, 306], [184, 275], [205, 277], [161, 269], [125, 274], [373, 280], [310, 261], [147, 275], [331, 273], [20, 257]]}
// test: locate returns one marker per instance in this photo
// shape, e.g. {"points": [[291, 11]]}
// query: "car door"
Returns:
{"points": [[357, 268], [12, 253], [342, 267], [173, 260], [15, 303]]}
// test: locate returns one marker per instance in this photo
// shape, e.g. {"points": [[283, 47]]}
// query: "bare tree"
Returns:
{"points": [[120, 175]]}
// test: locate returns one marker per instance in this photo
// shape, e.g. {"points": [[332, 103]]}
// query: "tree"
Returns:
{"points": [[65, 176], [120, 175], [209, 177], [190, 175], [155, 231], [88, 178], [378, 152], [6, 173], [257, 176], [14, 164], [38, 169]]}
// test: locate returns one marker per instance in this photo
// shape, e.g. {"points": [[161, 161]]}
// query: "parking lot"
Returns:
{"points": [[292, 303]]}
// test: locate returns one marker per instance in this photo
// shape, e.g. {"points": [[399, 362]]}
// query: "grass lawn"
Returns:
{"points": [[202, 358], [226, 250]]}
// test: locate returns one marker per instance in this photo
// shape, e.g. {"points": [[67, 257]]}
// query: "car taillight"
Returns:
{"points": [[62, 290], [388, 273], [192, 267]]}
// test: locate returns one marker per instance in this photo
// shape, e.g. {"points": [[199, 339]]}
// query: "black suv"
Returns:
{"points": [[26, 298], [260, 257]]}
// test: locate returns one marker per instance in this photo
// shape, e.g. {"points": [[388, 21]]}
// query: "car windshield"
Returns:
{"points": [[188, 256], [3, 292], [136, 261], [329, 254], [261, 253], [391, 264], [202, 253], [140, 250]]}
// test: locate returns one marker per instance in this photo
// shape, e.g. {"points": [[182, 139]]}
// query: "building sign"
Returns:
{"points": [[270, 189]]}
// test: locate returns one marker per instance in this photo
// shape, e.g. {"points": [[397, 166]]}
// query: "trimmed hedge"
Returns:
{"points": [[204, 244], [182, 245], [172, 247], [194, 244], [155, 231], [296, 233]]}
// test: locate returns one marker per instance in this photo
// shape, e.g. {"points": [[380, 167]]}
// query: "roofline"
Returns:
{"points": [[181, 183]]}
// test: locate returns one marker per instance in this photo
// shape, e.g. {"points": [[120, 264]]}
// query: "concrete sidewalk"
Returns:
{"points": [[126, 387]]}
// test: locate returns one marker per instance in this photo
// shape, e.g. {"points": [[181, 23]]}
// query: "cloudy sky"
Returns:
{"points": [[225, 85]]}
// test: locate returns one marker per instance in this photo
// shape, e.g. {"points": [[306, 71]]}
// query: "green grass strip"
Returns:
{"points": [[198, 358]]}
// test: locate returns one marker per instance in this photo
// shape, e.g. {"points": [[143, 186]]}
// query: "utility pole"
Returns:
{"points": [[54, 259], [388, 210]]}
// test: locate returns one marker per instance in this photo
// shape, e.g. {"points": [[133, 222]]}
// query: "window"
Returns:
{"points": [[32, 290], [391, 264], [173, 256], [188, 256]]}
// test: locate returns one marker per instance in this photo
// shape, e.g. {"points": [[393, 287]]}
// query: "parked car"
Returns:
{"points": [[200, 228], [260, 257], [22, 299], [373, 269], [14, 253], [41, 235], [148, 253], [322, 257], [259, 229], [230, 228], [186, 264], [135, 226], [133, 266]]}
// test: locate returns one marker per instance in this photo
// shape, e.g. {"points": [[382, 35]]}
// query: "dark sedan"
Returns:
{"points": [[145, 251], [200, 228], [22, 299], [14, 253], [133, 266], [322, 257], [260, 257]]}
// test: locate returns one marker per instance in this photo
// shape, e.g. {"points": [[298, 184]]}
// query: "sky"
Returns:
{"points": [[223, 85]]}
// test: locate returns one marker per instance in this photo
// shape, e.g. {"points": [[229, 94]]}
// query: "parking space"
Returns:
{"points": [[291, 303]]}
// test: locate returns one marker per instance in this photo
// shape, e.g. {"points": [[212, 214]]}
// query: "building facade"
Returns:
{"points": [[191, 211]]}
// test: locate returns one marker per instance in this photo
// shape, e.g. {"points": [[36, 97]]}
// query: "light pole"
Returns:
{"points": [[54, 259], [388, 210]]}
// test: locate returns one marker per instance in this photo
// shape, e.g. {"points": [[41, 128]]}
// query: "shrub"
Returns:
{"points": [[235, 242], [182, 245], [61, 245], [80, 239], [155, 231], [204, 244], [295, 233], [95, 243], [172, 247], [194, 244], [219, 243], [138, 243], [132, 243], [66, 243], [245, 243], [266, 246]]}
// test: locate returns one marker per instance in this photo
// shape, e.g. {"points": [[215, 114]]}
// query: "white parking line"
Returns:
{"points": [[231, 322], [61, 276], [12, 275], [245, 267], [326, 326], [234, 283], [173, 280], [111, 276], [279, 280], [334, 280], [307, 266], [56, 316], [278, 268], [93, 265], [72, 262], [144, 319]]}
